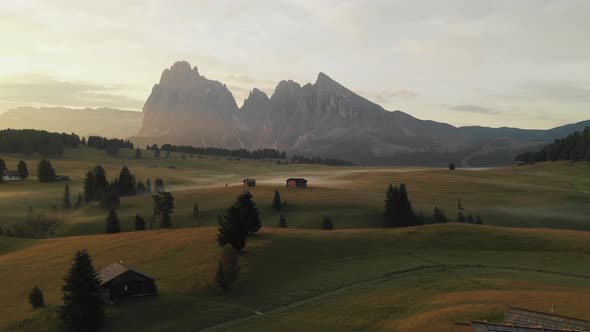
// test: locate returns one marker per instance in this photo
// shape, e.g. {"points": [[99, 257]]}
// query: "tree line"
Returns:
{"points": [[236, 153], [320, 161], [110, 145], [574, 147], [30, 141]]}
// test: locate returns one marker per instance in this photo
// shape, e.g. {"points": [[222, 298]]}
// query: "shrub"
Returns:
{"points": [[36, 299]]}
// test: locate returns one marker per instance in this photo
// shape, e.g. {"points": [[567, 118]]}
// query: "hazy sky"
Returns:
{"points": [[495, 63]]}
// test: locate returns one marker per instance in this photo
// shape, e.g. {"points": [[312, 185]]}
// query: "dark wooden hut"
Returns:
{"points": [[120, 281], [297, 183], [249, 182]]}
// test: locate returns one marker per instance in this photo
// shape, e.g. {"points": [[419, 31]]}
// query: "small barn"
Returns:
{"points": [[249, 182], [297, 183], [10, 176], [120, 281]]}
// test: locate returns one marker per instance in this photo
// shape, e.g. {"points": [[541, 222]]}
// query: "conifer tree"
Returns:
{"points": [[89, 188], [282, 221], [23, 171], [100, 180], [148, 186], [45, 171], [327, 223], [112, 223], [138, 154], [139, 223], [36, 299], [470, 219], [126, 182], [478, 219], [79, 201], [239, 220], [2, 165], [461, 217], [83, 306], [276, 202], [67, 200], [452, 167], [163, 208]]}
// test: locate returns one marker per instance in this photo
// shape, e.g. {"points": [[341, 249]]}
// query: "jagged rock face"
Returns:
{"points": [[186, 107], [321, 119]]}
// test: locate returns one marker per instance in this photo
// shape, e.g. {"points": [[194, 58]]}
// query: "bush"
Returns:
{"points": [[139, 223], [36, 299], [282, 221], [327, 223]]}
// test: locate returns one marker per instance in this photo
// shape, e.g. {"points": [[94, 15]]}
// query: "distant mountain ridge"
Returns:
{"points": [[84, 122], [320, 119]]}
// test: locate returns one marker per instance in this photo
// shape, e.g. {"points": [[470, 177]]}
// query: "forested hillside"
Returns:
{"points": [[574, 147]]}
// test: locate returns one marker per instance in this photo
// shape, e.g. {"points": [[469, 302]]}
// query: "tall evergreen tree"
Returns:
{"points": [[239, 220], [83, 307], [452, 167], [138, 154], [79, 201], [276, 202], [438, 216], [2, 165], [389, 214], [126, 182], [327, 223], [112, 223], [196, 211], [470, 219], [36, 299], [139, 223], [478, 219], [45, 171], [461, 217], [66, 202], [89, 188], [282, 221], [100, 180], [23, 171]]}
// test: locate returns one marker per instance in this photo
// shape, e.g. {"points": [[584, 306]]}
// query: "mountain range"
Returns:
{"points": [[321, 119]]}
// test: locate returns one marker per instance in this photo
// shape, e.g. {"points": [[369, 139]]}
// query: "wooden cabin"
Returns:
{"points": [[249, 182], [120, 281], [10, 175], [297, 183]]}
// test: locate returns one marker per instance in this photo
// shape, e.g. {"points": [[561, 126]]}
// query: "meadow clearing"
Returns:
{"points": [[356, 277]]}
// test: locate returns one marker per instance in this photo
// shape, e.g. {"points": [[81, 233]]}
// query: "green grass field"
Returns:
{"points": [[400, 280], [551, 195], [356, 278]]}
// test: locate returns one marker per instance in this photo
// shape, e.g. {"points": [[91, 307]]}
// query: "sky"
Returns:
{"points": [[522, 63]]}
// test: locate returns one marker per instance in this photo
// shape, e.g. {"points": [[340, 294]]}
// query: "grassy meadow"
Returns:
{"points": [[357, 277]]}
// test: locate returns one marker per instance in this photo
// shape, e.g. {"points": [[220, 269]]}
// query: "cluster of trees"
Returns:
{"points": [[110, 145], [439, 217], [35, 226], [29, 141], [574, 147], [21, 168], [237, 153], [320, 161], [98, 189], [45, 171], [398, 210]]}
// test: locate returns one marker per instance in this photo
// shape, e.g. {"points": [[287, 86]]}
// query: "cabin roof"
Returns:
{"points": [[249, 180], [511, 327], [10, 173], [117, 269], [516, 310], [297, 179]]}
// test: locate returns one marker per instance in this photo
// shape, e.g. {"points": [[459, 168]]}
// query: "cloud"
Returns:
{"points": [[475, 109], [45, 90]]}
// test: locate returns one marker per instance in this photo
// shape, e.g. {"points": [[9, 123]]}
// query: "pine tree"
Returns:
{"points": [[478, 219], [148, 186], [23, 171], [138, 154], [470, 219], [452, 167], [66, 202], [239, 220], [89, 188], [276, 202], [438, 216], [139, 223], [100, 180], [461, 217], [163, 208], [2, 165], [156, 152], [391, 196], [83, 141], [45, 171], [159, 185], [126, 182], [36, 299], [112, 223], [327, 223], [282, 221], [83, 307]]}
